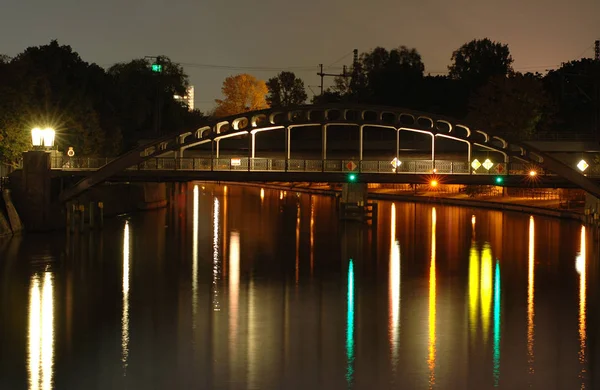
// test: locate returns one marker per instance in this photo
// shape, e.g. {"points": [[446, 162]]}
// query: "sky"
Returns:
{"points": [[264, 37]]}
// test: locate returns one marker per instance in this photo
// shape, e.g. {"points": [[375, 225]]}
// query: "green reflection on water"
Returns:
{"points": [[497, 326], [350, 325]]}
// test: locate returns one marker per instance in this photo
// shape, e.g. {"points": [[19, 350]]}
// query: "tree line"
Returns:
{"points": [[107, 111]]}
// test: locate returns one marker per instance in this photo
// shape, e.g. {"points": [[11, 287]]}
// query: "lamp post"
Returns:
{"points": [[42, 137]]}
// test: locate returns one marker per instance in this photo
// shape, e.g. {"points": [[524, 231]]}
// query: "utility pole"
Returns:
{"points": [[597, 50], [343, 74]]}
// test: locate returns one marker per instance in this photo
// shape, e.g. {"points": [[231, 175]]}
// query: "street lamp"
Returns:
{"points": [[43, 137]]}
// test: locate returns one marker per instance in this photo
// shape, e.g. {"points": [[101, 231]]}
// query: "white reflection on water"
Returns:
{"points": [[216, 257], [580, 264], [195, 257], [125, 315], [432, 303], [394, 289], [41, 332], [530, 297], [234, 285]]}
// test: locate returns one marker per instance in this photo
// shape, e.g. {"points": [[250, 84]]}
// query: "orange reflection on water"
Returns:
{"points": [[530, 296], [297, 244], [394, 288], [432, 303], [41, 332], [580, 264], [312, 235], [125, 315], [195, 256]]}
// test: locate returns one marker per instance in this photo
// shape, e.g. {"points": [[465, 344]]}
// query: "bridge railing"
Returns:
{"points": [[448, 167], [79, 163]]}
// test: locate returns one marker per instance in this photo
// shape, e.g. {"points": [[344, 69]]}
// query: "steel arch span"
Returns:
{"points": [[249, 124]]}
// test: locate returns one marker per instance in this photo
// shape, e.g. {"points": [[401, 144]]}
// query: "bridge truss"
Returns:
{"points": [[292, 120]]}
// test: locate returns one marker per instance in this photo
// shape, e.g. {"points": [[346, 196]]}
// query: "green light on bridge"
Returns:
{"points": [[352, 177], [499, 180]]}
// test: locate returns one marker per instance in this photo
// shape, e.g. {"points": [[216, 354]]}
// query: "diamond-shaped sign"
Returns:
{"points": [[582, 165], [487, 164], [476, 164], [396, 163], [351, 165]]}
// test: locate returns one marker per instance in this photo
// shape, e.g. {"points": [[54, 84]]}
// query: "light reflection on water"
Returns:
{"points": [[431, 359], [530, 297], [461, 314], [125, 315], [41, 332]]}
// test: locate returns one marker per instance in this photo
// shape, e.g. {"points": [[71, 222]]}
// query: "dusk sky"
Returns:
{"points": [[282, 34]]}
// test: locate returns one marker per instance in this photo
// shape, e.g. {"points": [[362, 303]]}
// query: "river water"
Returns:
{"points": [[242, 288]]}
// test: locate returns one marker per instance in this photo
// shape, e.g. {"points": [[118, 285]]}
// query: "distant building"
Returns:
{"points": [[188, 99]]}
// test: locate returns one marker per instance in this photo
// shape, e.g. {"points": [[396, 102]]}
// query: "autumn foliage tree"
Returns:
{"points": [[243, 93]]}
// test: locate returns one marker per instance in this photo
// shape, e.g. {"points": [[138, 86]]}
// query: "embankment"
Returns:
{"points": [[10, 222]]}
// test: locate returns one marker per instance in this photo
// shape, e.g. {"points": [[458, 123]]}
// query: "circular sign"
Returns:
{"points": [[71, 152]]}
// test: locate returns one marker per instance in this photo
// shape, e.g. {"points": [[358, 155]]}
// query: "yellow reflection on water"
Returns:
{"points": [[394, 289], [580, 264], [262, 194], [473, 288], [234, 286], [530, 296], [195, 257], [486, 289], [125, 315], [216, 257], [432, 303], [41, 332]]}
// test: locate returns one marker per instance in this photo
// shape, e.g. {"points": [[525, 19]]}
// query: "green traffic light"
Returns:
{"points": [[157, 68], [352, 177], [499, 179]]}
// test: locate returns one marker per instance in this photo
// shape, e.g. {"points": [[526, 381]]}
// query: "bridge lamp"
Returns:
{"points": [[499, 180], [433, 183], [352, 177], [582, 165], [532, 173], [43, 137]]}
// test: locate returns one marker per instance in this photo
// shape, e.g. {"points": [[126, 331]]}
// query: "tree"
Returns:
{"points": [[575, 89], [514, 106], [477, 61], [383, 77], [53, 90], [146, 100], [243, 93], [286, 90]]}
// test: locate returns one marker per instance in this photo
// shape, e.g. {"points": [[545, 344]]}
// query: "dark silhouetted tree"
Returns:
{"points": [[477, 61], [514, 106], [286, 90], [574, 88]]}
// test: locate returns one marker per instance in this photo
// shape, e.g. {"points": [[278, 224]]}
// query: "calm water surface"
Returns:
{"points": [[243, 288]]}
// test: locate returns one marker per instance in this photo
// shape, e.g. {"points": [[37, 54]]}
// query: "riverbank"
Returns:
{"points": [[541, 207]]}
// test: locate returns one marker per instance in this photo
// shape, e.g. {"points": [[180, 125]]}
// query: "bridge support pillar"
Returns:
{"points": [[35, 190], [353, 203]]}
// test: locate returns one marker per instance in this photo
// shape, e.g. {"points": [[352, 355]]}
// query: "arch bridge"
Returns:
{"points": [[244, 130]]}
